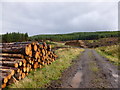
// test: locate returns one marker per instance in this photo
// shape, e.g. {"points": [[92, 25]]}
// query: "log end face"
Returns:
{"points": [[16, 65], [3, 85], [5, 79]]}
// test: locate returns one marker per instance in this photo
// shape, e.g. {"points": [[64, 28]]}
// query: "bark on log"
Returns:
{"points": [[14, 45], [10, 71], [10, 59], [8, 68], [19, 61], [14, 51], [8, 75], [49, 48], [11, 55], [24, 50], [12, 80], [9, 63], [44, 45], [18, 76]]}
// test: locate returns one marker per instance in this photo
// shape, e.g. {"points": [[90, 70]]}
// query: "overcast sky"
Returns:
{"points": [[58, 17]]}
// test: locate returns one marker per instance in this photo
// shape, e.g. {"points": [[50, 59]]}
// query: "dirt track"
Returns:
{"points": [[90, 70]]}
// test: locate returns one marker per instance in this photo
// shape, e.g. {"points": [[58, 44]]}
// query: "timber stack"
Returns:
{"points": [[18, 59]]}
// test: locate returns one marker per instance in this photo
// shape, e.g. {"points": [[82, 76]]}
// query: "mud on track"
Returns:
{"points": [[90, 70]]}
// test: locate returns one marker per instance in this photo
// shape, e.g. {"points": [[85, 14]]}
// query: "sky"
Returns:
{"points": [[45, 17]]}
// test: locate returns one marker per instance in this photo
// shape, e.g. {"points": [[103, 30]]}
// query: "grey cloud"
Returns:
{"points": [[41, 18]]}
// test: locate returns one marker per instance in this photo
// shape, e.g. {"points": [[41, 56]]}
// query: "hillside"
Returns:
{"points": [[76, 36]]}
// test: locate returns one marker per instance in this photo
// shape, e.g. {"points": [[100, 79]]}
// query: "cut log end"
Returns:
{"points": [[35, 47], [3, 85], [16, 65], [23, 75], [5, 80]]}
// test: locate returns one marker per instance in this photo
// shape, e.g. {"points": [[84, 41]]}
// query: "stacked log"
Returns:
{"points": [[18, 59]]}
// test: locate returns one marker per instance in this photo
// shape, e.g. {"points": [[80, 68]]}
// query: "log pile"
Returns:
{"points": [[77, 43], [18, 59]]}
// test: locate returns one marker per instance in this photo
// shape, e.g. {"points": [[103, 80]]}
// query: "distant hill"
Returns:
{"points": [[76, 36]]}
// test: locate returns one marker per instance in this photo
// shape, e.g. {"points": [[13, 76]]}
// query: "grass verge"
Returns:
{"points": [[110, 52], [42, 77]]}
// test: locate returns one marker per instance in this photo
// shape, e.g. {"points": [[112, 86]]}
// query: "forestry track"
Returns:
{"points": [[90, 70]]}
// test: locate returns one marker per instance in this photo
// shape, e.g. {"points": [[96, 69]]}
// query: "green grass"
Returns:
{"points": [[42, 77], [58, 44], [93, 67], [92, 41], [110, 52], [92, 64], [49, 42]]}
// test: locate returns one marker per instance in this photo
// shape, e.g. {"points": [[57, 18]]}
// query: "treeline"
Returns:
{"points": [[19, 37], [13, 37], [76, 36]]}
